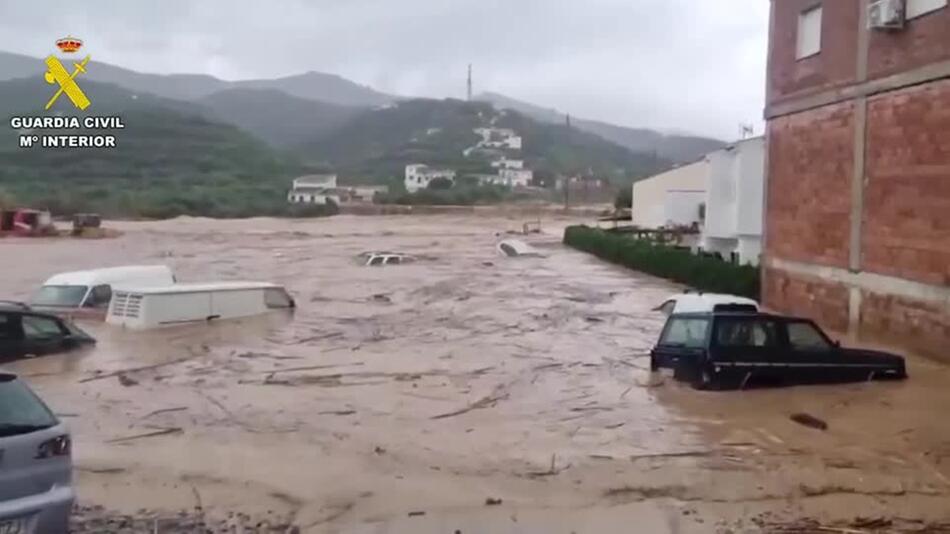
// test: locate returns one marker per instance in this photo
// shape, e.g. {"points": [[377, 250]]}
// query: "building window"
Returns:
{"points": [[809, 33], [917, 8]]}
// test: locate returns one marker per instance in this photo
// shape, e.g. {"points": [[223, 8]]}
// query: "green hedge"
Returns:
{"points": [[700, 272]]}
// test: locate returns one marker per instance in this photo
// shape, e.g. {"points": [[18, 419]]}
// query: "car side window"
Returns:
{"points": [[804, 336], [277, 298], [392, 260], [35, 327], [686, 332], [743, 332], [99, 297], [377, 260], [6, 327]]}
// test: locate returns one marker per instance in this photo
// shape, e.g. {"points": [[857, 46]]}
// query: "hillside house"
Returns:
{"points": [[314, 189], [419, 175], [506, 163]]}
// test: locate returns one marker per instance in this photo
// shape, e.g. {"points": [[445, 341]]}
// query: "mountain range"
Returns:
{"points": [[278, 110]]}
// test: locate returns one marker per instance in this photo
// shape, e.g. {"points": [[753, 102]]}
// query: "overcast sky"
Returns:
{"points": [[684, 65]]}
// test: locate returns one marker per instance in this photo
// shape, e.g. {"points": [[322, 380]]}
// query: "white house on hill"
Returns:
{"points": [[418, 176], [314, 189]]}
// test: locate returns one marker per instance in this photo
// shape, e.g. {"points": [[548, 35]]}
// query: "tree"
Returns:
{"points": [[624, 198], [440, 184]]}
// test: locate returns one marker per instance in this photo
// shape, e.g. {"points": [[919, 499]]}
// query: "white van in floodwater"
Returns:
{"points": [[154, 307], [92, 290]]}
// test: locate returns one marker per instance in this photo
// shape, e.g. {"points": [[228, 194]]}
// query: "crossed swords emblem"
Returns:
{"points": [[67, 83]]}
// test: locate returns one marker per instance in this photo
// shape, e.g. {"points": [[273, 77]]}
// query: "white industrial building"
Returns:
{"points": [[673, 198], [734, 201], [314, 189], [722, 195], [418, 176]]}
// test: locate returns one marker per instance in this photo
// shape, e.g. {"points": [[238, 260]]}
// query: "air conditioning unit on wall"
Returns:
{"points": [[886, 15]]}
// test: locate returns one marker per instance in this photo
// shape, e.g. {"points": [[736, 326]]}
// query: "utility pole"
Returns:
{"points": [[469, 82]]}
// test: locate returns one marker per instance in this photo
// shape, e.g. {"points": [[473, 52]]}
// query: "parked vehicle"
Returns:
{"points": [[36, 493], [26, 332], [728, 349], [705, 302], [90, 291], [154, 307], [26, 222]]}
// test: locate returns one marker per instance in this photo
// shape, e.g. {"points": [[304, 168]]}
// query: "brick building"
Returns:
{"points": [[857, 225]]}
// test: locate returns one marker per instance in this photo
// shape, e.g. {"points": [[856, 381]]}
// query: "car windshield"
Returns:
{"points": [[21, 411], [689, 332], [59, 296]]}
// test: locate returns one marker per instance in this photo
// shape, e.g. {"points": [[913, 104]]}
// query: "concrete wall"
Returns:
{"points": [[681, 207], [649, 195], [858, 187]]}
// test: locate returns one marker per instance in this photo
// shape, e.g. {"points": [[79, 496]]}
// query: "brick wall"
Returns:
{"points": [[836, 64], [923, 327], [809, 185], [923, 41], [906, 220], [821, 301]]}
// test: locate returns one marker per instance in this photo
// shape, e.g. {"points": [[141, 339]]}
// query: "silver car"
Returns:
{"points": [[36, 493]]}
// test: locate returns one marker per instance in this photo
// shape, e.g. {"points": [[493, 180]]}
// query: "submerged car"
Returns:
{"points": [[376, 259], [705, 302], [88, 293], [36, 493], [729, 349], [26, 332], [514, 248]]}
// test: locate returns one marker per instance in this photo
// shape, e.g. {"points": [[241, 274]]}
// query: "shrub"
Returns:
{"points": [[703, 273]]}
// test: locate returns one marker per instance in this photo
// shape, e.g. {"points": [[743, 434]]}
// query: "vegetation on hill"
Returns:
{"points": [[275, 117], [676, 148], [167, 162], [377, 145]]}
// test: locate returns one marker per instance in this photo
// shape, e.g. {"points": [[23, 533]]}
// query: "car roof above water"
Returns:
{"points": [[109, 275], [736, 314], [199, 287]]}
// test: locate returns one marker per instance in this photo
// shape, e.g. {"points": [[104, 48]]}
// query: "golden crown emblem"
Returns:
{"points": [[69, 44]]}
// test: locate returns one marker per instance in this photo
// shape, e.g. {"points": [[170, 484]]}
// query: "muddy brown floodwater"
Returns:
{"points": [[467, 392]]}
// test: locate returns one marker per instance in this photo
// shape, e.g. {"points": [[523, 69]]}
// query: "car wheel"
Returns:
{"points": [[705, 380]]}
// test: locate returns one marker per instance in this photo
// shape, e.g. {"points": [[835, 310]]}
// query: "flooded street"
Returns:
{"points": [[467, 392]]}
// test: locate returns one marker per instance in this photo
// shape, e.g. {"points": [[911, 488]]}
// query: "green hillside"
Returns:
{"points": [[274, 116], [169, 160], [378, 144]]}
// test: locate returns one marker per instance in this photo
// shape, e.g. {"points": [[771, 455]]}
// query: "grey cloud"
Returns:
{"points": [[693, 65]]}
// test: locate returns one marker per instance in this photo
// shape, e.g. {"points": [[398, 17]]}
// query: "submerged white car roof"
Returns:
{"points": [[111, 275], [705, 302], [199, 287]]}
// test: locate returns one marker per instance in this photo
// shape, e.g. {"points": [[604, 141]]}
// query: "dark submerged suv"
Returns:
{"points": [[25, 332], [723, 350]]}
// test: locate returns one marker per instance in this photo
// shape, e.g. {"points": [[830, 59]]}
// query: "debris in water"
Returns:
{"points": [[416, 514], [492, 502], [162, 432], [809, 420], [126, 381]]}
